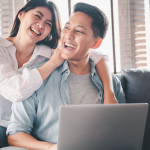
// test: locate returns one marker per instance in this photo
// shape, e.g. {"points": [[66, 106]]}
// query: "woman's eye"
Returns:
{"points": [[67, 28], [48, 24], [38, 16]]}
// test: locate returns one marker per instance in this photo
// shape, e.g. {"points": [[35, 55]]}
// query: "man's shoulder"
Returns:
{"points": [[38, 65], [54, 79]]}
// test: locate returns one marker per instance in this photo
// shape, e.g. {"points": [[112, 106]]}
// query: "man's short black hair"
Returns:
{"points": [[100, 21]]}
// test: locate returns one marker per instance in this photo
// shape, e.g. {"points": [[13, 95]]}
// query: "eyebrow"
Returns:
{"points": [[78, 26], [43, 16]]}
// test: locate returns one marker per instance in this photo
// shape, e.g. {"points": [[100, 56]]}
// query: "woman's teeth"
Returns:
{"points": [[36, 32]]}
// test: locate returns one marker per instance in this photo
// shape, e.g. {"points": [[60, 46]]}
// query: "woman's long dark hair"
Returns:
{"points": [[52, 39]]}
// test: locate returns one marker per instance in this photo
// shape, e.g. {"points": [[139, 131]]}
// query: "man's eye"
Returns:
{"points": [[38, 16], [79, 31]]}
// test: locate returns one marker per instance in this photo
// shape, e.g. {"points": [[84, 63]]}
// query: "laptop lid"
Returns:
{"points": [[102, 127]]}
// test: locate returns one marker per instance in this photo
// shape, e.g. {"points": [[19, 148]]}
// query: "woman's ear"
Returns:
{"points": [[20, 15], [97, 43]]}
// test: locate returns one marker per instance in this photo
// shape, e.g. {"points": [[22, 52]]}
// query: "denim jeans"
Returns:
{"points": [[3, 137]]}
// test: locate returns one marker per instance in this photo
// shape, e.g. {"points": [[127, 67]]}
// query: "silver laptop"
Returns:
{"points": [[102, 127]]}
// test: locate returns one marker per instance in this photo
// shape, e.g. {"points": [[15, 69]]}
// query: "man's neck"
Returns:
{"points": [[81, 67]]}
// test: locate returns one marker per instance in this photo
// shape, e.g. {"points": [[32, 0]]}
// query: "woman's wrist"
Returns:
{"points": [[47, 69], [52, 64]]}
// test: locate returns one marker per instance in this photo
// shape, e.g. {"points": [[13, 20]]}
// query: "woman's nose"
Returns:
{"points": [[40, 25]]}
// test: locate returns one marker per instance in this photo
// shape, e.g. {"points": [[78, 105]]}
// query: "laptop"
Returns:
{"points": [[102, 127]]}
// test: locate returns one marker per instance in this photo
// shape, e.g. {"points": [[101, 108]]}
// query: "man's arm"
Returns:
{"points": [[27, 141], [22, 123]]}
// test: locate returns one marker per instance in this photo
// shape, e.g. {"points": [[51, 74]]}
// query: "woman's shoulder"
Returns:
{"points": [[6, 47], [5, 43], [44, 50], [42, 46]]}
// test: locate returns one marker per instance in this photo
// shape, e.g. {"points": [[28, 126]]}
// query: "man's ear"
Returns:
{"points": [[97, 43], [20, 15]]}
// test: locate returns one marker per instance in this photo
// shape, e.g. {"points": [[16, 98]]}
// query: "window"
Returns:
{"points": [[8, 10], [62, 6], [133, 36], [130, 28], [127, 42]]}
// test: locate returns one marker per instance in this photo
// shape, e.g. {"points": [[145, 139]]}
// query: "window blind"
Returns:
{"points": [[132, 34], [8, 11]]}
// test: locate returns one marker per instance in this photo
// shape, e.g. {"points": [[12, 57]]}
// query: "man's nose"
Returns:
{"points": [[70, 34]]}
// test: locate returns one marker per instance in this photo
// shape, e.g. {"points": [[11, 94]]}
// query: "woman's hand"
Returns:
{"points": [[56, 58]]}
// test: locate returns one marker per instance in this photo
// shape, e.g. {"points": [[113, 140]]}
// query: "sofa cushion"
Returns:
{"points": [[137, 85], [137, 90]]}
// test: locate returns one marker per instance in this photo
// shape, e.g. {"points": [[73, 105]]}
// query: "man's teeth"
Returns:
{"points": [[69, 45], [36, 32]]}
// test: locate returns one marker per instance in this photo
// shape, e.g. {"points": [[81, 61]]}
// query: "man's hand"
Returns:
{"points": [[27, 141], [53, 147]]}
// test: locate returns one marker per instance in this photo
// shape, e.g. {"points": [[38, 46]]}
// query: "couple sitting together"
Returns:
{"points": [[34, 122]]}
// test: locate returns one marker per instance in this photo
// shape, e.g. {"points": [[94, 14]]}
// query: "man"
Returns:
{"points": [[34, 122]]}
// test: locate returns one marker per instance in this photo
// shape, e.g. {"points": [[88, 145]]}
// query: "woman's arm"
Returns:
{"points": [[17, 87], [55, 61], [102, 67], [104, 73], [25, 140]]}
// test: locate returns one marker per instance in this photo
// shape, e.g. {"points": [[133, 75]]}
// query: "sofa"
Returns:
{"points": [[136, 86]]}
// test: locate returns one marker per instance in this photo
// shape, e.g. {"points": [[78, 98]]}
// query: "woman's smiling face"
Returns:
{"points": [[36, 24]]}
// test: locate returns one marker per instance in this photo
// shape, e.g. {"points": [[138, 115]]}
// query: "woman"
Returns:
{"points": [[35, 33]]}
